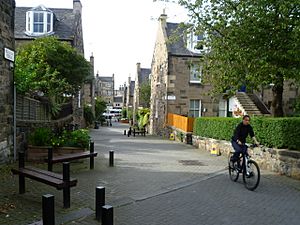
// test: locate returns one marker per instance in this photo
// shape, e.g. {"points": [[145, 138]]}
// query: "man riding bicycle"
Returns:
{"points": [[240, 134]]}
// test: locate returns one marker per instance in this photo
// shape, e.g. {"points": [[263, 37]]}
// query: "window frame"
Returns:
{"points": [[196, 70], [46, 24], [192, 41], [193, 109]]}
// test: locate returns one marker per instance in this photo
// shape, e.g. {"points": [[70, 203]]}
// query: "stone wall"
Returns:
{"points": [[6, 79], [282, 161]]}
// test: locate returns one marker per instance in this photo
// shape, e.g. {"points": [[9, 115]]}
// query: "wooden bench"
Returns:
{"points": [[70, 157], [142, 132], [59, 181]]}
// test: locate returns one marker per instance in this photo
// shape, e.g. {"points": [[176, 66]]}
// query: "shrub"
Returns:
{"points": [[77, 138], [124, 113], [40, 137], [45, 137], [88, 114], [271, 132]]}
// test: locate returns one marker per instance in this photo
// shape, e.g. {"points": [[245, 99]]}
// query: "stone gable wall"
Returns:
{"points": [[6, 79], [159, 70]]}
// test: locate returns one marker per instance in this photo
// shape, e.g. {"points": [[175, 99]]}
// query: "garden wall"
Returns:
{"points": [[282, 161]]}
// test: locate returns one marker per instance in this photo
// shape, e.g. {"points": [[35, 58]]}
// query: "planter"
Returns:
{"points": [[40, 153], [124, 121]]}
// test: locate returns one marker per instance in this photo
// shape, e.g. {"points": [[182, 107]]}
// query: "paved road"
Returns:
{"points": [[157, 181]]}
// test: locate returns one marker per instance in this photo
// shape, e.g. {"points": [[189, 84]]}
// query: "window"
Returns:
{"points": [[195, 74], [195, 108], [192, 41], [39, 21]]}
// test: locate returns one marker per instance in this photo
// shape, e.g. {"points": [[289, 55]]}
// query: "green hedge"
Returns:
{"points": [[271, 132]]}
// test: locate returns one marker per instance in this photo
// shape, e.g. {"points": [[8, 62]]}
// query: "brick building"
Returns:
{"points": [[7, 8]]}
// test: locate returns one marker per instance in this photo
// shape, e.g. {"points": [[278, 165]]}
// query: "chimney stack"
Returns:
{"points": [[163, 19], [77, 7]]}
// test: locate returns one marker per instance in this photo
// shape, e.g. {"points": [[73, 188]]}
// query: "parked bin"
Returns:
{"points": [[189, 139]]}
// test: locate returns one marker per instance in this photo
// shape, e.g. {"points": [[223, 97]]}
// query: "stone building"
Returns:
{"points": [[104, 88], [129, 94], [89, 87], [119, 98], [141, 78], [65, 24], [7, 8], [176, 72]]}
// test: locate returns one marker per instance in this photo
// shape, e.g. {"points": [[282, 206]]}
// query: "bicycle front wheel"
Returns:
{"points": [[251, 175]]}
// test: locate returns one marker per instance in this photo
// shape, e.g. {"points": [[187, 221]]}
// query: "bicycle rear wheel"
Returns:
{"points": [[233, 172], [251, 175]]}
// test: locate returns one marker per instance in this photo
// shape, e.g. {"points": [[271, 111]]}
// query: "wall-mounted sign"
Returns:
{"points": [[171, 97], [9, 54]]}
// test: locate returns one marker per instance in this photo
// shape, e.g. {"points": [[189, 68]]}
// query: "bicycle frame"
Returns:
{"points": [[248, 167]]}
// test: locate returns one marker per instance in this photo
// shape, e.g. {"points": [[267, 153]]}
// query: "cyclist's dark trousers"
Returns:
{"points": [[238, 149]]}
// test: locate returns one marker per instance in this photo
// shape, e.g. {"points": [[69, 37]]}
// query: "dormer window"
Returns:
{"points": [[39, 21], [192, 43]]}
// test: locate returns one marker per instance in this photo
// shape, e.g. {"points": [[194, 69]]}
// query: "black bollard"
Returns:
{"points": [[92, 150], [21, 177], [107, 215], [50, 157], [111, 158], [100, 201], [66, 189], [48, 209], [124, 132]]}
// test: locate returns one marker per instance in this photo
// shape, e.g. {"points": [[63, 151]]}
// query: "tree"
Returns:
{"points": [[100, 107], [145, 93], [50, 67], [252, 43]]}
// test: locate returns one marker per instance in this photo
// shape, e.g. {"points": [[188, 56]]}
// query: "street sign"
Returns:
{"points": [[9, 54]]}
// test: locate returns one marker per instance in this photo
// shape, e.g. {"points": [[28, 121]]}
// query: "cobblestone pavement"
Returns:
{"points": [[155, 181]]}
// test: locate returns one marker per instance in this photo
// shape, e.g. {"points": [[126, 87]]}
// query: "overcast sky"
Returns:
{"points": [[118, 33]]}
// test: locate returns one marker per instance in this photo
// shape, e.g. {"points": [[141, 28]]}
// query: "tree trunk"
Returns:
{"points": [[277, 106]]}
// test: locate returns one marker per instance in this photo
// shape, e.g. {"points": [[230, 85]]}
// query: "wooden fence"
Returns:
{"points": [[30, 109], [181, 122]]}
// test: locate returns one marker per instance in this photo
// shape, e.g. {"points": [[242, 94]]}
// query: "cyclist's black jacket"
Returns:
{"points": [[241, 132]]}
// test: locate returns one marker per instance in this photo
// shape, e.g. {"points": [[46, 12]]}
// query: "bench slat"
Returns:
{"points": [[43, 177], [73, 156], [51, 174]]}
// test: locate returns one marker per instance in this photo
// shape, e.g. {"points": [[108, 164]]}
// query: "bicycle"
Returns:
{"points": [[249, 168]]}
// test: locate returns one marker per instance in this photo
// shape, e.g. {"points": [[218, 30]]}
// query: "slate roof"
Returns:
{"points": [[177, 48], [144, 75], [63, 25], [106, 79]]}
